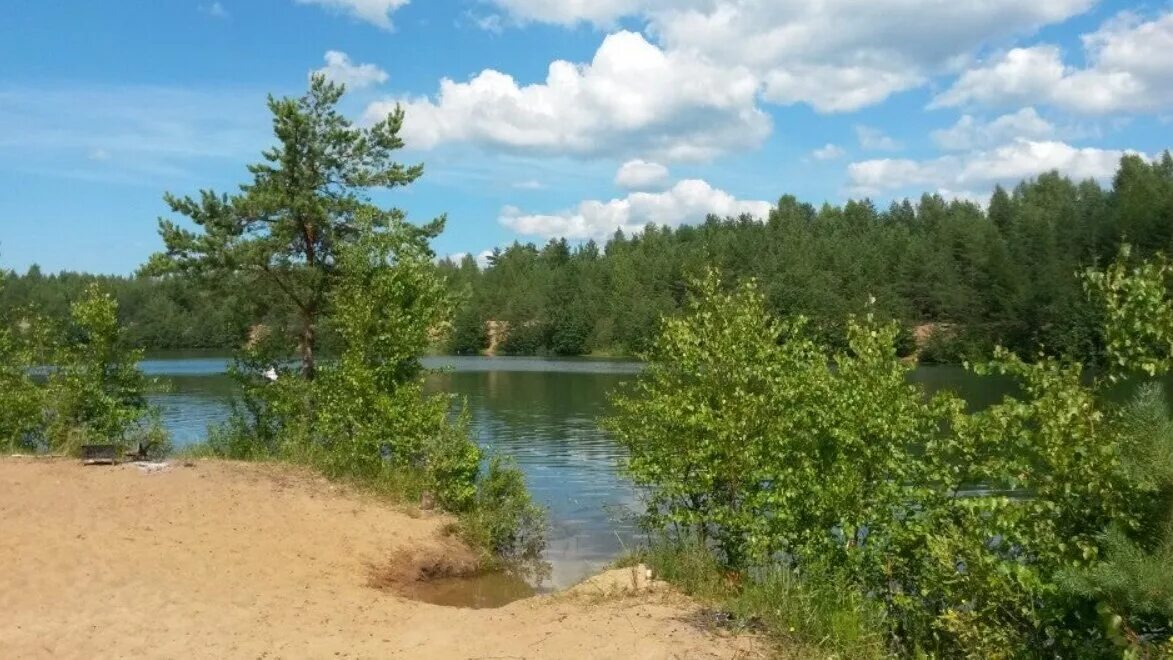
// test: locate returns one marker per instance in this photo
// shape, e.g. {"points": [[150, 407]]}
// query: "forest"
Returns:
{"points": [[1004, 274], [967, 276]]}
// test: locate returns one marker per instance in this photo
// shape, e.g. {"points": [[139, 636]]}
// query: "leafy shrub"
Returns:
{"points": [[779, 452], [469, 334], [365, 416], [505, 519], [93, 391], [23, 343], [526, 338]]}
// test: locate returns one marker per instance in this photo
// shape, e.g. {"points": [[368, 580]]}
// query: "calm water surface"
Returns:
{"points": [[542, 412]]}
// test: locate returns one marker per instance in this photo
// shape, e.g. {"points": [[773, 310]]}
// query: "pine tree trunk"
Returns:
{"points": [[306, 346]]}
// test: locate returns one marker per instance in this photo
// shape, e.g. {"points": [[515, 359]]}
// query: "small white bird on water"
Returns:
{"points": [[270, 374]]}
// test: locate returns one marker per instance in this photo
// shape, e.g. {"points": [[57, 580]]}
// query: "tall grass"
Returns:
{"points": [[813, 615]]}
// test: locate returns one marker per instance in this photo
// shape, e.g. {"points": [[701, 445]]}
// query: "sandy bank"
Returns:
{"points": [[227, 560]]}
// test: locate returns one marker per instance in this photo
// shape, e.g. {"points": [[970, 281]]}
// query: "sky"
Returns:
{"points": [[574, 118]]}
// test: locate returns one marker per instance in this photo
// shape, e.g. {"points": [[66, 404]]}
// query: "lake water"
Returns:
{"points": [[542, 412]]}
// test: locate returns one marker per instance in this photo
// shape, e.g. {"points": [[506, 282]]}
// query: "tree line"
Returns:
{"points": [[155, 313], [957, 277], [977, 276]]}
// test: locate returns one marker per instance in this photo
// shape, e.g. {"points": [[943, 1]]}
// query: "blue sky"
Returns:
{"points": [[537, 118]]}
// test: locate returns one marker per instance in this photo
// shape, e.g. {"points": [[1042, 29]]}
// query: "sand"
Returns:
{"points": [[232, 560]]}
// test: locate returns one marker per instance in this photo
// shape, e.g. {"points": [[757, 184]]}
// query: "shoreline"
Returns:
{"points": [[212, 558]]}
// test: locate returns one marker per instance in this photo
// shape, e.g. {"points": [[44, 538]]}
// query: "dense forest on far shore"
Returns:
{"points": [[967, 276], [1003, 274]]}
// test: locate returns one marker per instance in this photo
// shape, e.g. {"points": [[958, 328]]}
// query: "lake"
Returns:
{"points": [[542, 412]]}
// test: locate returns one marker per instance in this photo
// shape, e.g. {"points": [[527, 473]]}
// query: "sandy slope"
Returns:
{"points": [[225, 560]]}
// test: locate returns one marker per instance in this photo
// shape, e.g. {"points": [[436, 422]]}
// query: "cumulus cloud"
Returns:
{"points": [[632, 98], [569, 12], [1129, 69], [375, 12], [971, 133], [828, 152], [340, 69], [836, 55], [688, 201], [875, 140], [1005, 164], [641, 175], [482, 258]]}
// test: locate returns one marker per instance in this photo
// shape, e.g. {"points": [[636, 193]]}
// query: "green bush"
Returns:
{"points": [[93, 392], [469, 334], [779, 452], [365, 416], [23, 344], [505, 519]]}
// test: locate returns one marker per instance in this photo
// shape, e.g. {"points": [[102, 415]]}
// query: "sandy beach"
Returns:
{"points": [[216, 559]]}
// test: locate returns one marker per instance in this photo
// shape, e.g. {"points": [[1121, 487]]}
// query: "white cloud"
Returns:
{"points": [[340, 69], [875, 140], [1021, 75], [831, 88], [836, 55], [482, 258], [569, 12], [641, 175], [688, 201], [375, 12], [828, 152], [490, 23], [98, 154], [631, 99], [1129, 69], [215, 10], [531, 184], [1009, 163], [970, 133], [979, 199]]}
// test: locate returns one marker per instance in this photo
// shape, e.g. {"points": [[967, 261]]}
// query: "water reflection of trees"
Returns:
{"points": [[557, 410]]}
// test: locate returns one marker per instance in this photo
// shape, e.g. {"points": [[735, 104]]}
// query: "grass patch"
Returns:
{"points": [[814, 615]]}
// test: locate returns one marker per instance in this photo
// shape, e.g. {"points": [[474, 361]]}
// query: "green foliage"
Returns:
{"points": [[173, 312], [469, 334], [286, 229], [1005, 276], [816, 614], [1138, 325], [779, 451], [93, 391], [96, 386], [365, 417], [23, 344], [505, 519], [1131, 577]]}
